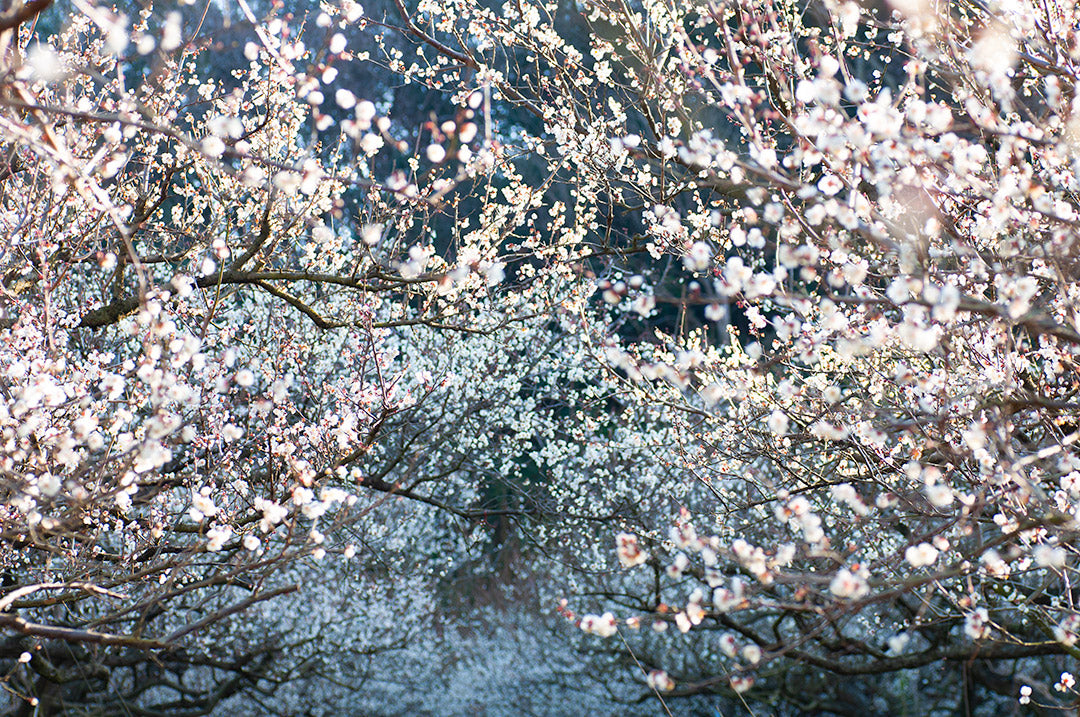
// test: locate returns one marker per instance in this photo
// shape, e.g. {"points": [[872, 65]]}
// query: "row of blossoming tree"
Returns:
{"points": [[740, 335]]}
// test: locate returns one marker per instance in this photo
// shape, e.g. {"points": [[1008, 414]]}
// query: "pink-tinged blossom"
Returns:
{"points": [[1067, 632], [603, 625], [660, 681], [846, 584], [741, 683], [630, 553], [977, 624]]}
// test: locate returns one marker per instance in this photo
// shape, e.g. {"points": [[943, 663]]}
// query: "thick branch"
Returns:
{"points": [[69, 634]]}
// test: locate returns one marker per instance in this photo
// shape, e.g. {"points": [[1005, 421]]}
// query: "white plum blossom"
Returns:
{"points": [[847, 584], [977, 624], [921, 555], [602, 625], [217, 536], [630, 553], [792, 304]]}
